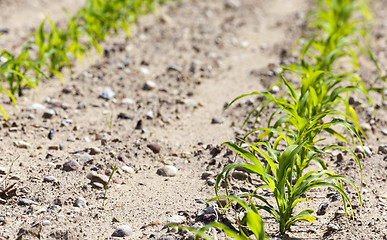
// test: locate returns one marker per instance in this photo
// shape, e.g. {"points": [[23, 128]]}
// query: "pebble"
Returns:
{"points": [[240, 175], [176, 219], [36, 106], [122, 231], [125, 116], [39, 211], [384, 131], [275, 89], [3, 170], [340, 213], [383, 148], [21, 144], [4, 30], [71, 165], [211, 182], [175, 67], [95, 151], [322, 208], [107, 94], [366, 127], [80, 203], [207, 174], [81, 105], [217, 120], [127, 101], [367, 150], [54, 147], [332, 227], [51, 134], [149, 85], [167, 171], [49, 113], [98, 178], [97, 185], [60, 218], [46, 222], [26, 202], [233, 4], [50, 179], [338, 155], [71, 139], [128, 169], [154, 147]]}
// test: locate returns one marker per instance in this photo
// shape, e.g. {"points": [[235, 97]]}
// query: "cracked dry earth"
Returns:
{"points": [[156, 102]]}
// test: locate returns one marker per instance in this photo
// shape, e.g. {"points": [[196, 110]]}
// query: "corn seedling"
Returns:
{"points": [[303, 113], [279, 178], [250, 222], [110, 178]]}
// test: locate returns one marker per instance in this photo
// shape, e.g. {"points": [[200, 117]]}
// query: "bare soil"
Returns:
{"points": [[198, 55]]}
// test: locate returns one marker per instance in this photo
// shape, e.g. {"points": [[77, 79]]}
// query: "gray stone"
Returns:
{"points": [[207, 174], [366, 127], [71, 165], [46, 222], [50, 179], [233, 4], [107, 94], [26, 202], [97, 185], [36, 106], [384, 131], [128, 169], [332, 227], [149, 85], [217, 120], [154, 147], [275, 89], [174, 67], [81, 105], [383, 148], [367, 150], [127, 101], [99, 178], [240, 175], [95, 151], [322, 208], [71, 139], [49, 113], [211, 182], [21, 144], [167, 171], [80, 203], [122, 231], [176, 219]]}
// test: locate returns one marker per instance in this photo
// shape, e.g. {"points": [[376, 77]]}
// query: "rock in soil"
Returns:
{"points": [[21, 144], [322, 209], [122, 231], [167, 171], [80, 203], [154, 147], [71, 165], [176, 219]]}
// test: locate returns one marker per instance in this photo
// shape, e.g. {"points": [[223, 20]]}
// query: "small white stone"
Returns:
{"points": [[128, 169], [176, 219]]}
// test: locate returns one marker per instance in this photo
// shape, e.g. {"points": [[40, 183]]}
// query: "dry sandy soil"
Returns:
{"points": [[171, 82]]}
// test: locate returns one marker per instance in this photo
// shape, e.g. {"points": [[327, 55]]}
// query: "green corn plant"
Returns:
{"points": [[250, 222], [304, 112], [18, 68], [279, 178], [52, 47]]}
